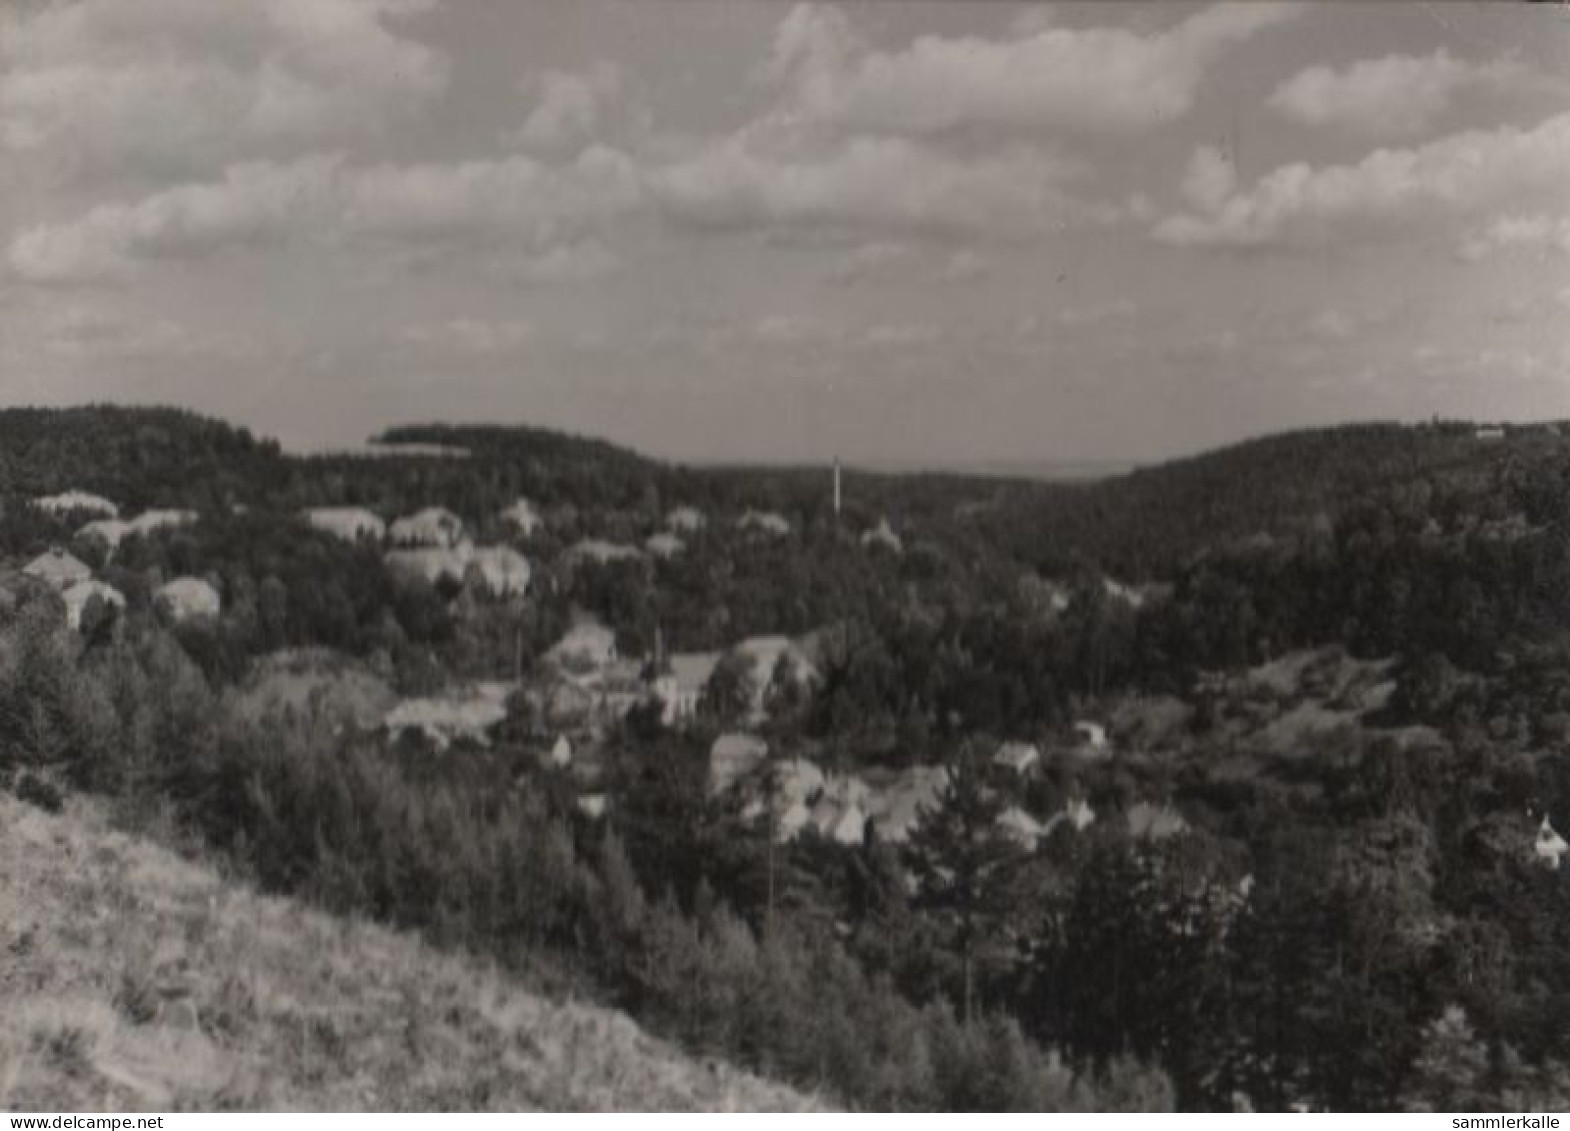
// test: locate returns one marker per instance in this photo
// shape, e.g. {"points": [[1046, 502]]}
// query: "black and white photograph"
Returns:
{"points": [[751, 556]]}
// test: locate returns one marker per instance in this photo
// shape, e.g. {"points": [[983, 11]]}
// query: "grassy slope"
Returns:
{"points": [[131, 978]]}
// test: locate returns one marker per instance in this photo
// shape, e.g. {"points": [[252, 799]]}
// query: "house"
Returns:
{"points": [[523, 518], [1090, 734], [1122, 594], [685, 520], [149, 521], [883, 535], [433, 563], [765, 653], [664, 545], [1151, 822], [840, 811], [1077, 814], [797, 783], [1490, 434], [470, 714], [435, 527], [78, 595], [764, 522], [733, 757], [592, 805], [59, 568], [76, 502], [1550, 847], [561, 752], [1021, 828], [681, 687], [603, 552], [587, 644], [110, 531], [352, 524], [188, 598], [896, 806], [501, 570], [1021, 757]]}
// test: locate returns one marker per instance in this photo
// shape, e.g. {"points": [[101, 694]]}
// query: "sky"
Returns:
{"points": [[920, 233]]}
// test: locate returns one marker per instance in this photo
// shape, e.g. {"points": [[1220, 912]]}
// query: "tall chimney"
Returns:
{"points": [[836, 487]]}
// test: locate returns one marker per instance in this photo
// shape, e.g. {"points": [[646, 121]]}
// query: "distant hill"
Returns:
{"points": [[137, 980], [1146, 523]]}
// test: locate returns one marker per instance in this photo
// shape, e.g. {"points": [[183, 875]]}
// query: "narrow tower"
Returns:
{"points": [[836, 487]]}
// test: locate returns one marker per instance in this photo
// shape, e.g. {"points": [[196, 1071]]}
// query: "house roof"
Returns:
{"points": [[72, 502], [58, 567], [769, 522], [685, 518], [430, 526], [733, 756], [664, 545], [110, 531], [523, 516], [1017, 756], [78, 595], [506, 572], [350, 523], [692, 670], [430, 562], [1154, 822], [148, 521], [883, 535], [603, 551], [188, 597]]}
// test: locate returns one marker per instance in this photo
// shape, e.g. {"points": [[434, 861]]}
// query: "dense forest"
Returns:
{"points": [[1334, 668]]}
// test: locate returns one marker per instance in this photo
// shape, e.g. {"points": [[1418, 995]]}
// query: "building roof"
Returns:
{"points": [[504, 571], [59, 568], [189, 597], [587, 641], [430, 562], [603, 551], [1017, 756], [883, 535], [1154, 822], [523, 516], [78, 595], [471, 714], [349, 523], [109, 531], [149, 521], [685, 518], [77, 502], [664, 545], [733, 757], [767, 522], [431, 526], [1550, 847], [692, 670]]}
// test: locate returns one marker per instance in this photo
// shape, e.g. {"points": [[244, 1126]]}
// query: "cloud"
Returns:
{"points": [[1540, 233], [196, 83], [473, 337], [1334, 324], [1210, 179], [1395, 96], [570, 106], [1452, 177], [1093, 80], [516, 200], [881, 184]]}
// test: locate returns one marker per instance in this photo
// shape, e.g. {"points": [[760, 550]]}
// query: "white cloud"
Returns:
{"points": [[1096, 79], [516, 200], [1452, 177], [473, 337], [1210, 179], [1334, 324], [570, 105], [1540, 233], [889, 184], [195, 82], [1395, 96]]}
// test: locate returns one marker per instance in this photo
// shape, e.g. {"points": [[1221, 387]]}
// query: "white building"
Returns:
{"points": [[685, 520], [77, 502], [352, 524], [1550, 847], [523, 518], [434, 527], [764, 522], [188, 598], [59, 568], [77, 597], [503, 571]]}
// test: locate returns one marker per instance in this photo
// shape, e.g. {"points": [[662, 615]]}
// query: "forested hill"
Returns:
{"points": [[1146, 524], [138, 456]]}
